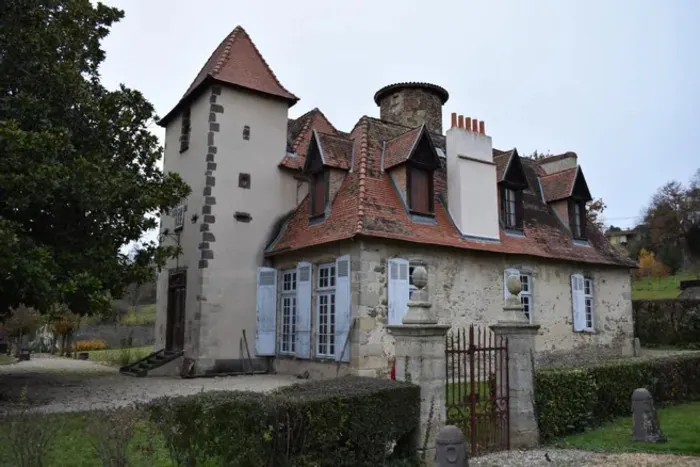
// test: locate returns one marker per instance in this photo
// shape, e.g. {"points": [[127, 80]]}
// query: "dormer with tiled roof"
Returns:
{"points": [[511, 180], [567, 192]]}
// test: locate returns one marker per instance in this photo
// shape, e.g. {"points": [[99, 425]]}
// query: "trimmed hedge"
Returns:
{"points": [[667, 322], [573, 400], [341, 422]]}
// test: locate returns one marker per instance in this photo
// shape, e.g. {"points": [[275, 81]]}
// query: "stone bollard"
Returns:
{"points": [[450, 448], [645, 420]]}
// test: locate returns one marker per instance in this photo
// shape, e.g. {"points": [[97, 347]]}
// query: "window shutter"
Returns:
{"points": [[266, 312], [506, 273], [342, 309], [397, 290], [578, 302], [420, 190], [303, 328], [519, 211]]}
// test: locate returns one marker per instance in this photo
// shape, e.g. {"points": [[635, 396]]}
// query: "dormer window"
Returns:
{"points": [[577, 218], [319, 193], [511, 183], [420, 189]]}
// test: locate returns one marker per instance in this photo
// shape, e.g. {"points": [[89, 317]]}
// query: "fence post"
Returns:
{"points": [[515, 327], [420, 359]]}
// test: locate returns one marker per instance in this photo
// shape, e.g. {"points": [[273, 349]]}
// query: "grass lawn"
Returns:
{"points": [[120, 357], [5, 359], [680, 424], [142, 316], [72, 445], [655, 289]]}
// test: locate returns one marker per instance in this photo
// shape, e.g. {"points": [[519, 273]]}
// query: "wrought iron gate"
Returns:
{"points": [[476, 374]]}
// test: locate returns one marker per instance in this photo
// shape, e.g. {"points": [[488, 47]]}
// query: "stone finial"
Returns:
{"points": [[450, 447], [513, 309], [419, 304], [645, 420]]}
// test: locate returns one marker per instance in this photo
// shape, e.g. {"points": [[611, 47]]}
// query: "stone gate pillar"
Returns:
{"points": [[420, 359], [521, 378]]}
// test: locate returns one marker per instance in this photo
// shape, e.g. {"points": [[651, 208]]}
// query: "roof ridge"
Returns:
{"points": [[226, 53], [559, 172], [404, 133], [307, 124], [364, 144], [326, 118], [255, 47]]}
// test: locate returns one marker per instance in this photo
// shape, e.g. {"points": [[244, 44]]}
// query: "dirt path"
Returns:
{"points": [[66, 385], [575, 458]]}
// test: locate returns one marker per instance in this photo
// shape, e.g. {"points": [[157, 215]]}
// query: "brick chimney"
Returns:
{"points": [[472, 194], [411, 104]]}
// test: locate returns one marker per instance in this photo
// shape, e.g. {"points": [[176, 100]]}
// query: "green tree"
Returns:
{"points": [[78, 165]]}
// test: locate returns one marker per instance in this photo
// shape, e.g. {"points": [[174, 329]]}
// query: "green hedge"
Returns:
{"points": [[341, 422], [573, 400]]}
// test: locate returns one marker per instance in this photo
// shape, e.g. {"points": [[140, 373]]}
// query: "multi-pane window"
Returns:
{"points": [[588, 297], [509, 212], [178, 213], [289, 312], [325, 310], [526, 295], [185, 130], [577, 220]]}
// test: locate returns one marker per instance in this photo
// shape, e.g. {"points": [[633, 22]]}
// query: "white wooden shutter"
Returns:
{"points": [[506, 273], [578, 302], [397, 290], [342, 308], [266, 312], [303, 328]]}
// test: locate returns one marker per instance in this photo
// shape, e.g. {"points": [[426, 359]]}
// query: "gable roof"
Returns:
{"points": [[410, 145], [236, 62], [368, 204], [335, 151], [300, 132], [565, 184]]}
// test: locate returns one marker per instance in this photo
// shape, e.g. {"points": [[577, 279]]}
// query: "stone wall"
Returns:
{"points": [[411, 107], [667, 322], [466, 287], [114, 333]]}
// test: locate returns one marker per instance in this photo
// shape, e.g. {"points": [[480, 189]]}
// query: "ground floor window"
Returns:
{"points": [[588, 298], [325, 311], [526, 295], [289, 312]]}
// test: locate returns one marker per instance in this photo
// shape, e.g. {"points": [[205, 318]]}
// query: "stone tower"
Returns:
{"points": [[411, 104]]}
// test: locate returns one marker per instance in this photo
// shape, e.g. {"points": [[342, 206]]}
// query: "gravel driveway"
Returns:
{"points": [[66, 385], [574, 458]]}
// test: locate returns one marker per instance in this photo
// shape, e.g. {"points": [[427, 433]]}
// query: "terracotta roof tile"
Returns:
{"points": [[558, 185], [501, 160], [238, 62], [398, 149], [337, 150], [300, 132], [368, 204]]}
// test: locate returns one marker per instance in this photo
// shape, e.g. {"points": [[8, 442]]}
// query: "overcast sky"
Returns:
{"points": [[616, 81]]}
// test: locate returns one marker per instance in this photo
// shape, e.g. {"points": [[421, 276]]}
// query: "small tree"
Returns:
{"points": [[22, 322], [64, 324]]}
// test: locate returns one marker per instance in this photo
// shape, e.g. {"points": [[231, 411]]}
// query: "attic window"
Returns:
{"points": [[319, 193], [246, 133], [577, 218], [511, 208], [420, 189], [185, 130]]}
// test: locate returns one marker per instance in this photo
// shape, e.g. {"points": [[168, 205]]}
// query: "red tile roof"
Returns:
{"points": [[236, 61], [397, 150], [337, 150], [368, 204], [558, 185], [501, 159], [301, 131]]}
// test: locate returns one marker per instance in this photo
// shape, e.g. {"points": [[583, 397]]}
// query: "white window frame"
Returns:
{"points": [[288, 307], [325, 297], [509, 215], [526, 295], [589, 304], [178, 214]]}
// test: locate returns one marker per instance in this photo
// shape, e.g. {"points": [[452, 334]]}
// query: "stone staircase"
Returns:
{"points": [[151, 362]]}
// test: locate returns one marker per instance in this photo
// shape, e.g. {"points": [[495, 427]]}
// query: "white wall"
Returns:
{"points": [[191, 166], [229, 281]]}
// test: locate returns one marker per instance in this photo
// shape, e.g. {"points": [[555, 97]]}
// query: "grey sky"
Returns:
{"points": [[616, 81]]}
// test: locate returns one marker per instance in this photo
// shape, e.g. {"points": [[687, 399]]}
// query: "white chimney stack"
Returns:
{"points": [[472, 194]]}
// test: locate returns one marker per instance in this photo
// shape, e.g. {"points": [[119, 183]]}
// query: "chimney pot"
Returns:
{"points": [[469, 124], [454, 119], [475, 125], [461, 121], [482, 128]]}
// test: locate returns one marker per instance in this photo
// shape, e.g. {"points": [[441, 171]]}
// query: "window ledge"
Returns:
{"points": [[422, 218], [581, 242], [586, 331], [511, 232], [315, 220]]}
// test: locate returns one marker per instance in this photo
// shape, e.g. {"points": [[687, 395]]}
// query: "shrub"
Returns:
{"points": [[111, 433], [667, 322], [89, 344], [573, 400], [342, 422]]}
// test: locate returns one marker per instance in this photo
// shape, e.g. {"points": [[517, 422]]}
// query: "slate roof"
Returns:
{"points": [[236, 61], [368, 204]]}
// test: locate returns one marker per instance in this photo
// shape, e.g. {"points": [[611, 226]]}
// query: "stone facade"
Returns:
{"points": [[412, 107]]}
